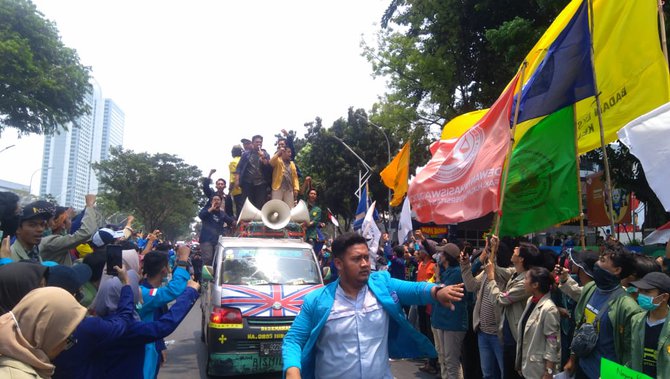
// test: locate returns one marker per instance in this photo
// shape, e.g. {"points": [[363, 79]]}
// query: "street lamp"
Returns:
{"points": [[388, 152], [8, 147], [30, 186]]}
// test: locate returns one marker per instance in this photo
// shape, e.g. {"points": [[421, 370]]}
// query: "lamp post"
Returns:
{"points": [[30, 186], [388, 152], [8, 147]]}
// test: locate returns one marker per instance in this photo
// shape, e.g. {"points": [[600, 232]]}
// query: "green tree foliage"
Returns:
{"points": [[447, 57], [43, 83], [334, 169], [160, 190]]}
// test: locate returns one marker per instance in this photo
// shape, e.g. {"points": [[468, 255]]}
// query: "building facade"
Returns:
{"points": [[67, 172]]}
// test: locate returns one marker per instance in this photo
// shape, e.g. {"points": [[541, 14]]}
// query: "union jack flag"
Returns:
{"points": [[265, 300]]}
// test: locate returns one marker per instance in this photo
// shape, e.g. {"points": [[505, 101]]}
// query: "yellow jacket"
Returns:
{"points": [[277, 171]]}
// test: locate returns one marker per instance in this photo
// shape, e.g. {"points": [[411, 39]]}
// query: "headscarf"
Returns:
{"points": [[16, 280], [40, 322], [107, 300]]}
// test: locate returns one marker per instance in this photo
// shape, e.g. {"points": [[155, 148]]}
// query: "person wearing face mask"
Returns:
{"points": [[650, 333], [612, 327]]}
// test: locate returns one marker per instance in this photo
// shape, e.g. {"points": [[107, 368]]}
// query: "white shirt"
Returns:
{"points": [[354, 341]]}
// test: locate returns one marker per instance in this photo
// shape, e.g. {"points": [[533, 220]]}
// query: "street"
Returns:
{"points": [[187, 355]]}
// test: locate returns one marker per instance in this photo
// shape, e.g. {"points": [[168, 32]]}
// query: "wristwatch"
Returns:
{"points": [[549, 371], [438, 288]]}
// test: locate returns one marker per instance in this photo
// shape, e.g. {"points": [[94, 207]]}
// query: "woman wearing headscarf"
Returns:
{"points": [[16, 280], [35, 331], [94, 333]]}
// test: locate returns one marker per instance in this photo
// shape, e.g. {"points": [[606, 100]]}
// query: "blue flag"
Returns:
{"points": [[363, 205], [565, 75]]}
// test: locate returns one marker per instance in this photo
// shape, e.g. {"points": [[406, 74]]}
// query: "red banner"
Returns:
{"points": [[596, 202]]}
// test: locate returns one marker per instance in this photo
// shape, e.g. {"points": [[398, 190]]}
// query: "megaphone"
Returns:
{"points": [[276, 214], [300, 213], [249, 212]]}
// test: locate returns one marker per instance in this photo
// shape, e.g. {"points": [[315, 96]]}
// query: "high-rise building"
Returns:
{"points": [[67, 174]]}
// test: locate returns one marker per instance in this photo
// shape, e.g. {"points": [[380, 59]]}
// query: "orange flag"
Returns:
{"points": [[396, 175]]}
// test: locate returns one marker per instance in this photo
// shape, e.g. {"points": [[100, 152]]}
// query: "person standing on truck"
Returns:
{"points": [[213, 225], [355, 324]]}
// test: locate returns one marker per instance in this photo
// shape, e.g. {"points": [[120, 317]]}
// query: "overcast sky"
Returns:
{"points": [[195, 77]]}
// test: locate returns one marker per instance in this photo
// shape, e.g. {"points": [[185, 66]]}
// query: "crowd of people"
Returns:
{"points": [[66, 314], [526, 312]]}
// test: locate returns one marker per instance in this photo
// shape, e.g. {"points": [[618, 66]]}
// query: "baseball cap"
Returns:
{"points": [[105, 236], [245, 140], [653, 280], [39, 208], [69, 278], [584, 260], [451, 249]]}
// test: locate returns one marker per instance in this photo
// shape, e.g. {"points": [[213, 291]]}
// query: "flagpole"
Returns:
{"points": [[509, 149], [661, 21], [608, 178], [582, 234]]}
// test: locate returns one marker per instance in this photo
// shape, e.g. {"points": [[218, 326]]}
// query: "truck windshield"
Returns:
{"points": [[258, 266]]}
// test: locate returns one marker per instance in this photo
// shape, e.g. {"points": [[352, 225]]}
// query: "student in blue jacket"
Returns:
{"points": [[351, 327], [156, 297]]}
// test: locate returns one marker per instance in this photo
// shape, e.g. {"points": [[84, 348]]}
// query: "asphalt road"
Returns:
{"points": [[187, 355]]}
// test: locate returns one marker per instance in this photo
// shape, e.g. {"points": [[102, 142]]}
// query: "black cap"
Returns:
{"points": [[39, 208], [69, 278], [584, 260], [653, 280], [245, 141]]}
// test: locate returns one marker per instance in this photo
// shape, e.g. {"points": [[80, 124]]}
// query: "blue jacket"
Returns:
{"points": [[155, 302], [403, 342], [94, 334], [244, 162], [125, 358], [213, 225], [444, 318]]}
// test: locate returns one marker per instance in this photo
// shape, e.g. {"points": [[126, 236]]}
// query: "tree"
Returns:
{"points": [[445, 58], [160, 190], [334, 169], [43, 83]]}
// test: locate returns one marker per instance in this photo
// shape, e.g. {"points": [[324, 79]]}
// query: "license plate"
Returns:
{"points": [[267, 364], [270, 349]]}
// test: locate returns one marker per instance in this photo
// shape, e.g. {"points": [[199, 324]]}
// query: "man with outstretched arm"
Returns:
{"points": [[351, 327]]}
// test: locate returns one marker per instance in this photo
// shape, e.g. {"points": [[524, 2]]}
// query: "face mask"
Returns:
{"points": [[326, 255], [604, 279], [646, 302]]}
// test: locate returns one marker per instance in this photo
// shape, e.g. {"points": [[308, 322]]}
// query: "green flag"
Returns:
{"points": [[542, 183]]}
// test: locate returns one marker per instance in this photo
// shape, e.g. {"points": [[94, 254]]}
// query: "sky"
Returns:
{"points": [[193, 78]]}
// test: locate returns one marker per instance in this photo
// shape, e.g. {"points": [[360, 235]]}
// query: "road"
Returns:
{"points": [[187, 355]]}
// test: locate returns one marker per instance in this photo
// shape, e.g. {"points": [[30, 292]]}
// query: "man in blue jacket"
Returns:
{"points": [[351, 327]]}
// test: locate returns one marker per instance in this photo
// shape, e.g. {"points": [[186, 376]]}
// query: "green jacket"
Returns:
{"points": [[620, 312], [663, 358]]}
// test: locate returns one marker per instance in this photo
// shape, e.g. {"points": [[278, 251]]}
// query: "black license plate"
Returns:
{"points": [[270, 349]]}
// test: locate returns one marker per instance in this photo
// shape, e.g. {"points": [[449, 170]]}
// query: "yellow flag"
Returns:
{"points": [[460, 124], [396, 175], [631, 71]]}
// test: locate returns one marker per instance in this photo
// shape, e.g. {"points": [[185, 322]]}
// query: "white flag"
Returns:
{"points": [[660, 235], [372, 234], [405, 223], [647, 138]]}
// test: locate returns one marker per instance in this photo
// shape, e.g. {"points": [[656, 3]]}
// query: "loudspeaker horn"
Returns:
{"points": [[276, 214], [300, 213], [249, 212]]}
